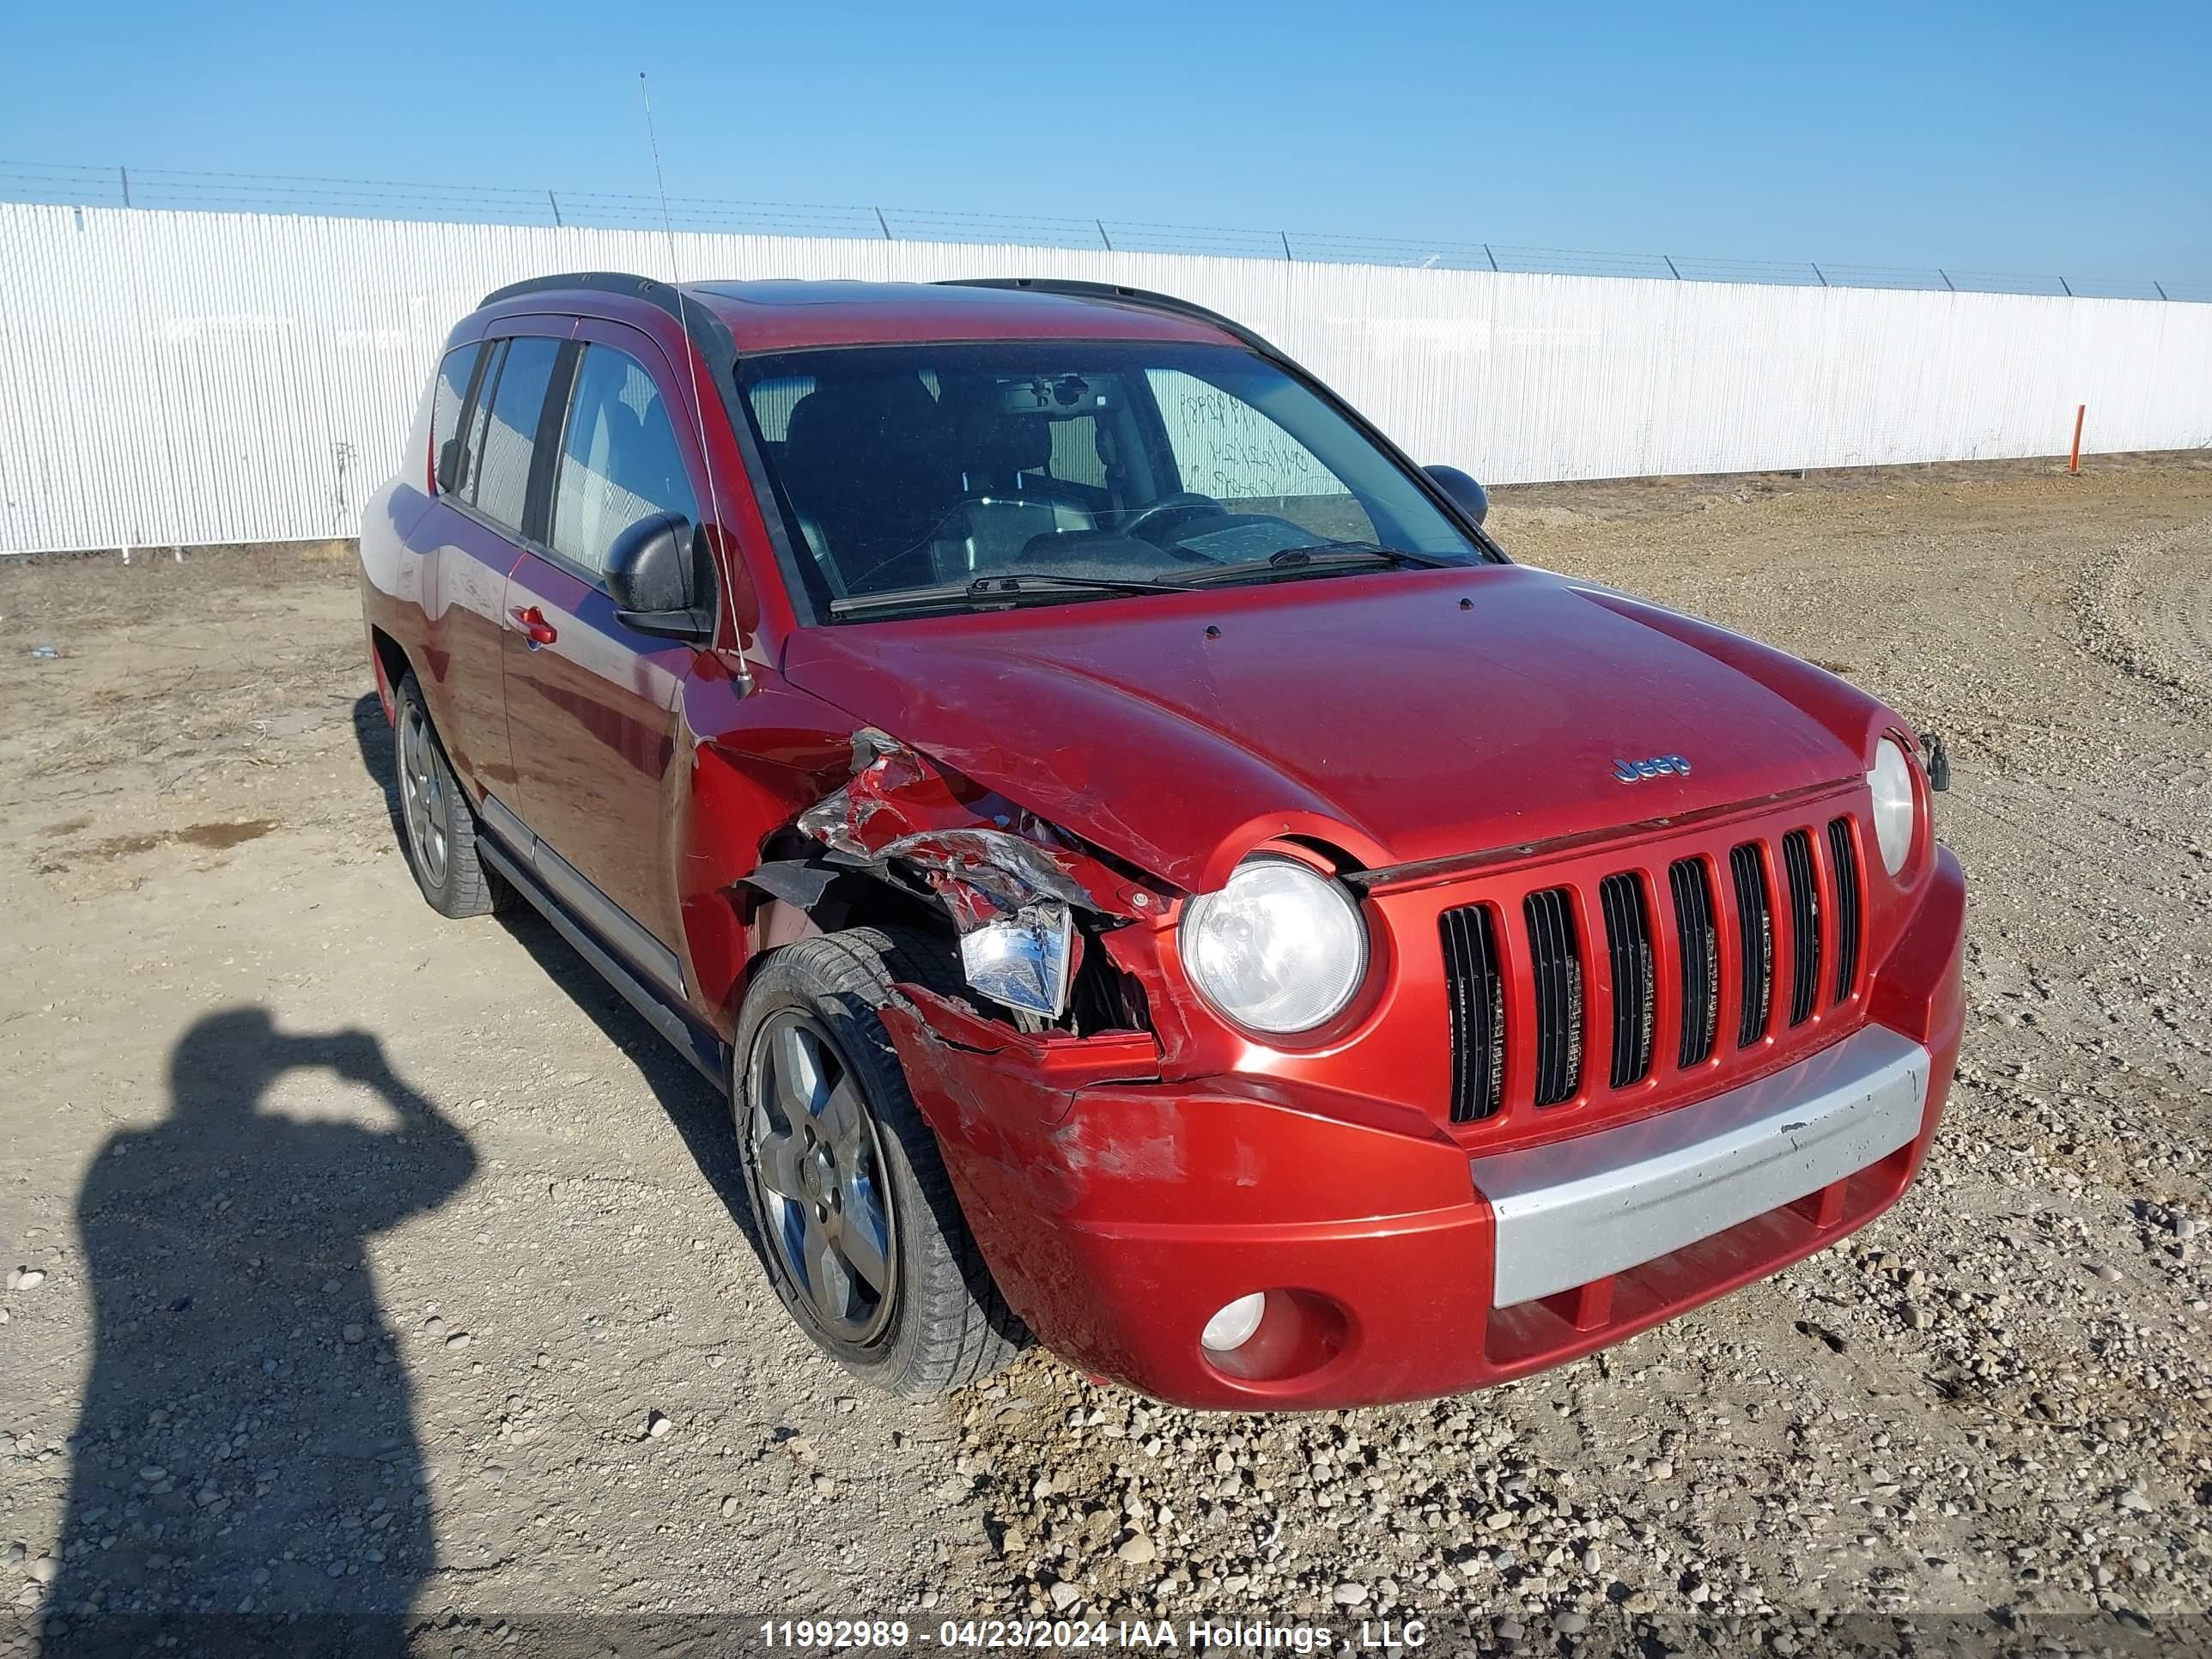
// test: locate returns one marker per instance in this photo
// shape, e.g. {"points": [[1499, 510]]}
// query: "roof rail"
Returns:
{"points": [[653, 292]]}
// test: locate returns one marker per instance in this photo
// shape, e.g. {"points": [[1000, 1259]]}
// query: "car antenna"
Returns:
{"points": [[683, 316]]}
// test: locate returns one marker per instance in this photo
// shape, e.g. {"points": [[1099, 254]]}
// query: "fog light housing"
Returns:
{"points": [[1232, 1325]]}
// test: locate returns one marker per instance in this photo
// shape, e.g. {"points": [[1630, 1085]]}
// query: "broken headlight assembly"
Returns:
{"points": [[1012, 883], [1279, 948], [1022, 960]]}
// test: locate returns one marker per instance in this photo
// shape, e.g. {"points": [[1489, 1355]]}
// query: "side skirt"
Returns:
{"points": [[706, 1051]]}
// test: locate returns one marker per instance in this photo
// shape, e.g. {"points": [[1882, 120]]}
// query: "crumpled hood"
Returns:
{"points": [[1401, 716]]}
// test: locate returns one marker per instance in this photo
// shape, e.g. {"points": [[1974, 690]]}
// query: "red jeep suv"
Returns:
{"points": [[1147, 868]]}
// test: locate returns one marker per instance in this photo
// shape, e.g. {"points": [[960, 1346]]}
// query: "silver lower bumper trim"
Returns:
{"points": [[1576, 1210]]}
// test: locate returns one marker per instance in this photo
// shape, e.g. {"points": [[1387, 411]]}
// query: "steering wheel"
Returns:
{"points": [[1168, 509]]}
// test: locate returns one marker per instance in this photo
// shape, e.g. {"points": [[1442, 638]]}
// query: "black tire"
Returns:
{"points": [[940, 1323], [437, 824]]}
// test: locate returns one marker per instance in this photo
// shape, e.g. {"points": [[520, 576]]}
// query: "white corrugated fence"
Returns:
{"points": [[193, 378]]}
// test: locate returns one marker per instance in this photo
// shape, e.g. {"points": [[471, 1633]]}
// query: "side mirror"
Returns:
{"points": [[655, 576], [1470, 497]]}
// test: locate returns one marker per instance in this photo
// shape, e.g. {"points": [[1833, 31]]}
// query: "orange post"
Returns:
{"points": [[2073, 461]]}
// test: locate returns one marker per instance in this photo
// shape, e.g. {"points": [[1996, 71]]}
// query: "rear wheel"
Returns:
{"points": [[437, 822], [865, 1240]]}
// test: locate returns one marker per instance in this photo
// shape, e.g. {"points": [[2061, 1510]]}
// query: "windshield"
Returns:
{"points": [[918, 472]]}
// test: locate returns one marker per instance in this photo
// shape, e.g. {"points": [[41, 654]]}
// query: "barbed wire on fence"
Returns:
{"points": [[83, 186]]}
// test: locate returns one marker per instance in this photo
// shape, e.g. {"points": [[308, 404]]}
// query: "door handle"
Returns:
{"points": [[531, 622]]}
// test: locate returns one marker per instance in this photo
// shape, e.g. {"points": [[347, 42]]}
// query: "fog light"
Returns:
{"points": [[1233, 1326]]}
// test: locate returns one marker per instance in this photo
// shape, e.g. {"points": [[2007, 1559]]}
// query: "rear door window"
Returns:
{"points": [[773, 401], [620, 461], [1075, 456], [502, 476], [448, 399]]}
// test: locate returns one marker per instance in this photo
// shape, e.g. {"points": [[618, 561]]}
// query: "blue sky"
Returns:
{"points": [[2014, 138]]}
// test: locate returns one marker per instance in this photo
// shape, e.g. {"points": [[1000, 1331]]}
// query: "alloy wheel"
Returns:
{"points": [[428, 808], [820, 1168]]}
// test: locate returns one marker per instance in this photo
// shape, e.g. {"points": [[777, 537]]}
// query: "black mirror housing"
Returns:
{"points": [[1470, 497], [657, 577]]}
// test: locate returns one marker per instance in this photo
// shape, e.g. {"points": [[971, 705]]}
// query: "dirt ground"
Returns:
{"points": [[423, 1318]]}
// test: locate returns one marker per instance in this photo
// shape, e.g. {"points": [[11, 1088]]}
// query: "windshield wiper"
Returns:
{"points": [[1013, 586], [1324, 557], [1005, 587]]}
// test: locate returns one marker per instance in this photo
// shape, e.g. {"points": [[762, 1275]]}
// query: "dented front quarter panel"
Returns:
{"points": [[767, 757], [1012, 883], [758, 757], [985, 855]]}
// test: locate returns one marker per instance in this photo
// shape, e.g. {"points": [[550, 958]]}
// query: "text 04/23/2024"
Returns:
{"points": [[800, 1634]]}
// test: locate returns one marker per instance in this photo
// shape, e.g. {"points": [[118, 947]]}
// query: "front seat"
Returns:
{"points": [[867, 468], [1012, 455]]}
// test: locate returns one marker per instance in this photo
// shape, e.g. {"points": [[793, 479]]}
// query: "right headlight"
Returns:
{"points": [[1895, 807], [1279, 948]]}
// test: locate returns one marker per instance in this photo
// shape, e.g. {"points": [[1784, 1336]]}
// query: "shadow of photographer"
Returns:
{"points": [[247, 1473]]}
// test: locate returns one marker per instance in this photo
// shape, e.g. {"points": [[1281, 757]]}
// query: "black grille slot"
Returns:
{"points": [[1804, 925], [1843, 860], [1754, 914], [1698, 942], [1555, 963], [1628, 944], [1478, 1013]]}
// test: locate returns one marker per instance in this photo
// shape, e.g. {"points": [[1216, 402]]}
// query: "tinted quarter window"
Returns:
{"points": [[619, 458], [448, 399], [503, 476]]}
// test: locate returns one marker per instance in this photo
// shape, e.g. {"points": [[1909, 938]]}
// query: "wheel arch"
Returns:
{"points": [[391, 663], [793, 893]]}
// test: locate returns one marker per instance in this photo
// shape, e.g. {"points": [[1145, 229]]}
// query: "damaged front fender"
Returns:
{"points": [[1010, 883]]}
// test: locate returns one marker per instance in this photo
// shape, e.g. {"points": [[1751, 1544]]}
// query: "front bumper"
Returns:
{"points": [[1567, 1213], [1117, 1216]]}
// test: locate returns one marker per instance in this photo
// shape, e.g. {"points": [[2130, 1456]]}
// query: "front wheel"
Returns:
{"points": [[865, 1243]]}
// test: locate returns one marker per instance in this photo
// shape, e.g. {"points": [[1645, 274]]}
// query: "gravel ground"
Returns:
{"points": [[423, 1318]]}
